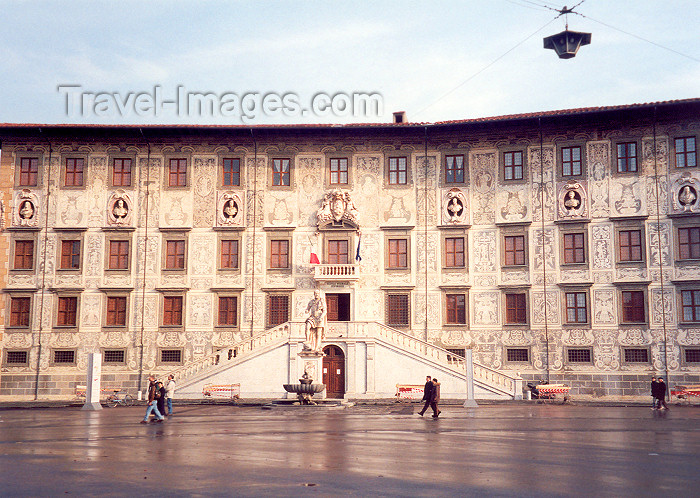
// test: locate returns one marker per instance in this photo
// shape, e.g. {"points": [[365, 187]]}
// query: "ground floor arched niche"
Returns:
{"points": [[334, 372]]}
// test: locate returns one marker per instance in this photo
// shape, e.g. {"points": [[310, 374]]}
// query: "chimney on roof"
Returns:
{"points": [[400, 117]]}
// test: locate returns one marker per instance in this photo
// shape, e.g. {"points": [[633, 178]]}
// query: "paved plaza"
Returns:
{"points": [[519, 449]]}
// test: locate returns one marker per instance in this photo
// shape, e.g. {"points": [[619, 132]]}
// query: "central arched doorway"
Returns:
{"points": [[334, 372]]}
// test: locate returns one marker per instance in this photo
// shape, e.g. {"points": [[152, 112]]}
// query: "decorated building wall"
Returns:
{"points": [[534, 240]]}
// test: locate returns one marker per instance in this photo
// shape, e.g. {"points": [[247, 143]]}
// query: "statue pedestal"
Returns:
{"points": [[312, 363]]}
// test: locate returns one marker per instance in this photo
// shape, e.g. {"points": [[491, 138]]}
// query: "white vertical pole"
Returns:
{"points": [[470, 402], [92, 393]]}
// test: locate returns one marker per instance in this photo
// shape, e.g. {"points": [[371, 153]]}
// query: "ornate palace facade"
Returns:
{"points": [[561, 245]]}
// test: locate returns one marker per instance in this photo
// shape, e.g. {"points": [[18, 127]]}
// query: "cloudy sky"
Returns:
{"points": [[437, 61]]}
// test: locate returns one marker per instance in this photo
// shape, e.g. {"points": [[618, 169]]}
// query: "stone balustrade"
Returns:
{"points": [[339, 273]]}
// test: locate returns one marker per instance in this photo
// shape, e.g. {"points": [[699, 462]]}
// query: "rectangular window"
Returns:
{"points": [[113, 356], [281, 174], [576, 307], [692, 355], [17, 358], [454, 252], [397, 310], [398, 171], [171, 356], [231, 171], [278, 310], [630, 243], [175, 255], [121, 172], [116, 311], [229, 254], [518, 354], [28, 171], [279, 254], [686, 152], [516, 309], [228, 311], [689, 243], [338, 252], [633, 307], [177, 172], [456, 309], [70, 254], [74, 172], [514, 250], [64, 356], [339, 171], [67, 311], [398, 253], [454, 169], [574, 248], [579, 355], [691, 305], [627, 157], [24, 254], [118, 255], [20, 309], [571, 161], [172, 311], [513, 165], [636, 355]]}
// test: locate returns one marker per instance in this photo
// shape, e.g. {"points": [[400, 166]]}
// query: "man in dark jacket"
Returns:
{"points": [[152, 401], [654, 386], [435, 399], [427, 394], [661, 393]]}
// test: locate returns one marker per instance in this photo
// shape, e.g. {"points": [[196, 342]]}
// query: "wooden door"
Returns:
{"points": [[338, 307], [334, 372]]}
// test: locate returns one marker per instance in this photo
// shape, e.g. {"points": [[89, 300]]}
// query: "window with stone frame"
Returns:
{"points": [[690, 305], [576, 303], [70, 254], [574, 248], [173, 307], [455, 252], [229, 254], [455, 309], [177, 172], [16, 358], [175, 254], [519, 355], [338, 252], [73, 174], [281, 172], [398, 309], [635, 355], [279, 253], [172, 356], [114, 356], [686, 152], [277, 309], [571, 161], [338, 171], [629, 243], [633, 306], [67, 312], [118, 257], [691, 355], [397, 253], [20, 311], [397, 170], [514, 250], [116, 311], [24, 254], [454, 169], [28, 175], [230, 172], [689, 242], [516, 308], [627, 157], [121, 171], [63, 356], [579, 355], [228, 311], [513, 165]]}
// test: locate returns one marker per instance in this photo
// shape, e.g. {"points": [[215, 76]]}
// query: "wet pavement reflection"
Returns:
{"points": [[221, 450]]}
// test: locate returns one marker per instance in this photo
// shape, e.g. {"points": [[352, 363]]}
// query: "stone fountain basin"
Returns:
{"points": [[304, 388]]}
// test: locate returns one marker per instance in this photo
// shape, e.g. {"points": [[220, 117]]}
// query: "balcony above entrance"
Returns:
{"points": [[336, 273]]}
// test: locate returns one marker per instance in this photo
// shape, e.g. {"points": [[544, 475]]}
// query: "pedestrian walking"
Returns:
{"points": [[435, 399], [152, 401], [661, 393], [160, 397], [427, 394], [654, 387], [169, 393]]}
